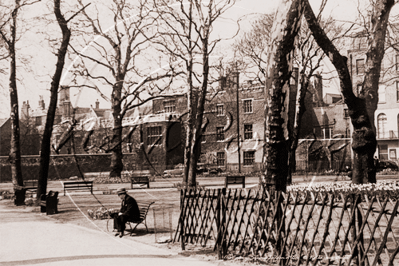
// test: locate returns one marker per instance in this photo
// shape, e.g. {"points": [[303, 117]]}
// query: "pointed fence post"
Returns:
{"points": [[182, 218]]}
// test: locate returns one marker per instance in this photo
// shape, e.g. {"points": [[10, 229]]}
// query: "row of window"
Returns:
{"points": [[249, 158], [360, 65], [169, 106], [248, 132], [154, 134]]}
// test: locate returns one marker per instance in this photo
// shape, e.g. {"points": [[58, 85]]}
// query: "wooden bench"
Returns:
{"points": [[234, 180], [49, 202], [137, 179], [30, 185], [77, 185], [144, 207]]}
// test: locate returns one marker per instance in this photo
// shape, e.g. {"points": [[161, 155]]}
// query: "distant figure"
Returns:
{"points": [[348, 171], [129, 212], [376, 162]]}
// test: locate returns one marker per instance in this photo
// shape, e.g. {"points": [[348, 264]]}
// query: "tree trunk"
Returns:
{"points": [[116, 153], [199, 113], [190, 102], [285, 28], [294, 133], [361, 109], [15, 148], [48, 129]]}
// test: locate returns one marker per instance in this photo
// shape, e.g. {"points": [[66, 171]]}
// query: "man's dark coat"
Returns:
{"points": [[130, 209]]}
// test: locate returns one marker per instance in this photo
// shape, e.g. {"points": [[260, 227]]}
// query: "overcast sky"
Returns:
{"points": [[42, 61]]}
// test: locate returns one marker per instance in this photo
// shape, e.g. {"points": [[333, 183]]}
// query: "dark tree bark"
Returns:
{"points": [[116, 154], [361, 109], [15, 148], [195, 146], [48, 129], [285, 28]]}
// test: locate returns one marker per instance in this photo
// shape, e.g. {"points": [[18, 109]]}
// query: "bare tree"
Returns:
{"points": [[285, 27], [361, 108], [185, 34], [55, 82], [119, 57], [307, 57], [9, 35]]}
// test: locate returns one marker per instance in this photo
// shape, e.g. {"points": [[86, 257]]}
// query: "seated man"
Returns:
{"points": [[129, 212]]}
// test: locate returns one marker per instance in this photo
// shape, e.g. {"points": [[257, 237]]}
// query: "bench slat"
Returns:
{"points": [[77, 185], [135, 179], [236, 180]]}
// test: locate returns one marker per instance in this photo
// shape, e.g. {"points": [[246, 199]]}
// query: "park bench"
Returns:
{"points": [[49, 202], [234, 180], [144, 207], [30, 185], [139, 180], [140, 177], [77, 185]]}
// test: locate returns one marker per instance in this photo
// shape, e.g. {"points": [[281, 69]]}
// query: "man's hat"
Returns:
{"points": [[121, 191]]}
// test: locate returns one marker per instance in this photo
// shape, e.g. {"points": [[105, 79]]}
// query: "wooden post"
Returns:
{"points": [[218, 226], [223, 210], [182, 218]]}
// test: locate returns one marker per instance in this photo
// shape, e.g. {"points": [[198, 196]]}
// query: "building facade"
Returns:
{"points": [[387, 114]]}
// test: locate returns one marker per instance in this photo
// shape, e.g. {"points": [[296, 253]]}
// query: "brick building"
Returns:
{"points": [[387, 114]]}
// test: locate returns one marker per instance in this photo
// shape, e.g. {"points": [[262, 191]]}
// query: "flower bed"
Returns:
{"points": [[101, 213], [380, 189]]}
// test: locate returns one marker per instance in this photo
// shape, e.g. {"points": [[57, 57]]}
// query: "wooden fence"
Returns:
{"points": [[293, 228]]}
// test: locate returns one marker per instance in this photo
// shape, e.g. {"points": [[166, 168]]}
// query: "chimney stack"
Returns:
{"points": [[25, 110], [97, 104], [41, 103]]}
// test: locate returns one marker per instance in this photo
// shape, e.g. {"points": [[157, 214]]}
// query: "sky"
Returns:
{"points": [[35, 80]]}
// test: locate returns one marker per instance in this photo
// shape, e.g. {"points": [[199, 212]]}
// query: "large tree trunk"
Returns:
{"points": [[15, 149], [195, 145], [361, 109], [48, 129], [285, 28], [116, 153]]}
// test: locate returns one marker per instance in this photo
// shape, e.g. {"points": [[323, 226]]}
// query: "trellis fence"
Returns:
{"points": [[293, 228]]}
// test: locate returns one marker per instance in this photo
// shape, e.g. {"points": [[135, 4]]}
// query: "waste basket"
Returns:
{"points": [[49, 202]]}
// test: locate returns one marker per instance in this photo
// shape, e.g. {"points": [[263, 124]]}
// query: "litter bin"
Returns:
{"points": [[163, 224], [49, 202]]}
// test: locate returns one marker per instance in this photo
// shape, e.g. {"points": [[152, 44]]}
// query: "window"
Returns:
{"points": [[247, 131], [219, 134], [381, 94], [169, 106], [327, 133], [360, 66], [154, 134], [249, 157], [248, 106], [220, 109], [38, 121], [220, 158], [346, 113], [381, 126], [397, 91], [392, 154], [383, 152]]}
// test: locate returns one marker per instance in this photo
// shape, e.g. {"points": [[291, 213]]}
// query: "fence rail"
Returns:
{"points": [[293, 228]]}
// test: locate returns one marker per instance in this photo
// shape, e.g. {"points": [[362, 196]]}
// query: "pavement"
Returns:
{"points": [[31, 238]]}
